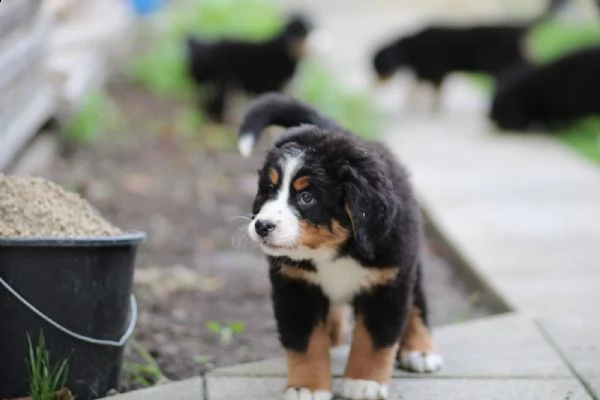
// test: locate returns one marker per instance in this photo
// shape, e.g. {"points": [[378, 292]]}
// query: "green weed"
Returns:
{"points": [[147, 373], [95, 116], [225, 333], [204, 359], [47, 382]]}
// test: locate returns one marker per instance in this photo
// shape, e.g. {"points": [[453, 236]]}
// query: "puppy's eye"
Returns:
{"points": [[306, 198]]}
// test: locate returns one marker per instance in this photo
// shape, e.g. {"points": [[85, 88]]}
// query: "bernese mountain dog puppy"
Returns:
{"points": [[339, 224], [254, 67], [548, 96], [437, 51]]}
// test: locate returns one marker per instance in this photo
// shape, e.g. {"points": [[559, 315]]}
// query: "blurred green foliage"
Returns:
{"points": [[553, 39], [161, 68], [95, 115], [353, 110], [584, 137]]}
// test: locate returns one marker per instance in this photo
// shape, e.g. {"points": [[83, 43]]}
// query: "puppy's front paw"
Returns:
{"points": [[360, 389], [420, 361], [306, 394]]}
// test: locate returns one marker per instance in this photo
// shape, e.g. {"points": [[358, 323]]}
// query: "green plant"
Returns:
{"points": [[225, 332], [46, 380], [204, 359], [553, 39], [584, 137], [161, 69], [147, 373], [353, 110], [95, 115]]}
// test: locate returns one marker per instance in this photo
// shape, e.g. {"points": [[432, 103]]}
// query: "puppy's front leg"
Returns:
{"points": [[380, 318], [301, 312]]}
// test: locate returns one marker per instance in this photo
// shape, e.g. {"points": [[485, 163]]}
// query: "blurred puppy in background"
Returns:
{"points": [[548, 96], [227, 65], [437, 51]]}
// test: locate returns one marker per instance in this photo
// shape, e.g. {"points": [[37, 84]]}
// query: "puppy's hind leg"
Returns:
{"points": [[416, 352], [436, 95], [215, 104]]}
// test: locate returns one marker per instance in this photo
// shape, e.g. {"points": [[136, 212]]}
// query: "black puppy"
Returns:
{"points": [[339, 224], [550, 95], [254, 67], [437, 51]]}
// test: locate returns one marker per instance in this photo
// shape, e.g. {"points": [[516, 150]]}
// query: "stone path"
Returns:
{"points": [[523, 212], [505, 357]]}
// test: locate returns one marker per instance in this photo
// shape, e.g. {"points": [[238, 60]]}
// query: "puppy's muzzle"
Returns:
{"points": [[263, 227]]}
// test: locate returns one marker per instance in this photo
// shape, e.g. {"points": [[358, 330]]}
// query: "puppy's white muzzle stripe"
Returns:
{"points": [[280, 212]]}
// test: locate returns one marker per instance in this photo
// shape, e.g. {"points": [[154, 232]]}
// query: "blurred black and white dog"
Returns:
{"points": [[438, 50], [339, 224], [548, 96], [254, 67]]}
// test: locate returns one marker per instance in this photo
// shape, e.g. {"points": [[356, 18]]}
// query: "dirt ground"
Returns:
{"points": [[197, 268]]}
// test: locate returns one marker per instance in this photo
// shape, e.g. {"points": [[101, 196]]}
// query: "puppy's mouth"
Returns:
{"points": [[272, 246], [383, 79]]}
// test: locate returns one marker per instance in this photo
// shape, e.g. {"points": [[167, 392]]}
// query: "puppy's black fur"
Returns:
{"points": [[548, 96], [361, 186], [438, 50], [254, 67]]}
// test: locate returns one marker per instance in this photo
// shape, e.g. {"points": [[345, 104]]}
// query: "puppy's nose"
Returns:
{"points": [[264, 227]]}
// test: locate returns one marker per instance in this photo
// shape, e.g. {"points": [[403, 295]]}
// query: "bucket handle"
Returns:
{"points": [[132, 320]]}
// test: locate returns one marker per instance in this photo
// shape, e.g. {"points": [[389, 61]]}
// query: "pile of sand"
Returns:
{"points": [[35, 207]]}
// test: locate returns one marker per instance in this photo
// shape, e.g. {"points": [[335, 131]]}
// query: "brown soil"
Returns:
{"points": [[190, 194]]}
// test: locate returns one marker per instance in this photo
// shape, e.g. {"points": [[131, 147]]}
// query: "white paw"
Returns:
{"points": [[306, 394], [420, 361], [360, 389]]}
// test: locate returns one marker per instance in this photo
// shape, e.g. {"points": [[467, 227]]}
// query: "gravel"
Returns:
{"points": [[35, 207]]}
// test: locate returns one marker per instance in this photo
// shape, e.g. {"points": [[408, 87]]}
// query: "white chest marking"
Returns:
{"points": [[342, 279]]}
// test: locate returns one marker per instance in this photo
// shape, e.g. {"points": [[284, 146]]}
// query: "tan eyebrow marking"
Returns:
{"points": [[274, 176], [301, 183]]}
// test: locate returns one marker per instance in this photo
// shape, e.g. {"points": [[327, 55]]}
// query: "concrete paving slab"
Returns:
{"points": [[594, 386], [488, 389], [227, 388], [189, 389], [578, 340], [517, 208], [502, 346]]}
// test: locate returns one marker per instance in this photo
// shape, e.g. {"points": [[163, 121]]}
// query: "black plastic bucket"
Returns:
{"points": [[78, 292]]}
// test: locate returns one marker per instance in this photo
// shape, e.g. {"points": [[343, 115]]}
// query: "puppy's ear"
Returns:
{"points": [[370, 207]]}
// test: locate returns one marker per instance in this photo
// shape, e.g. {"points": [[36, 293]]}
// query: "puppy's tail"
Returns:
{"points": [[276, 109]]}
